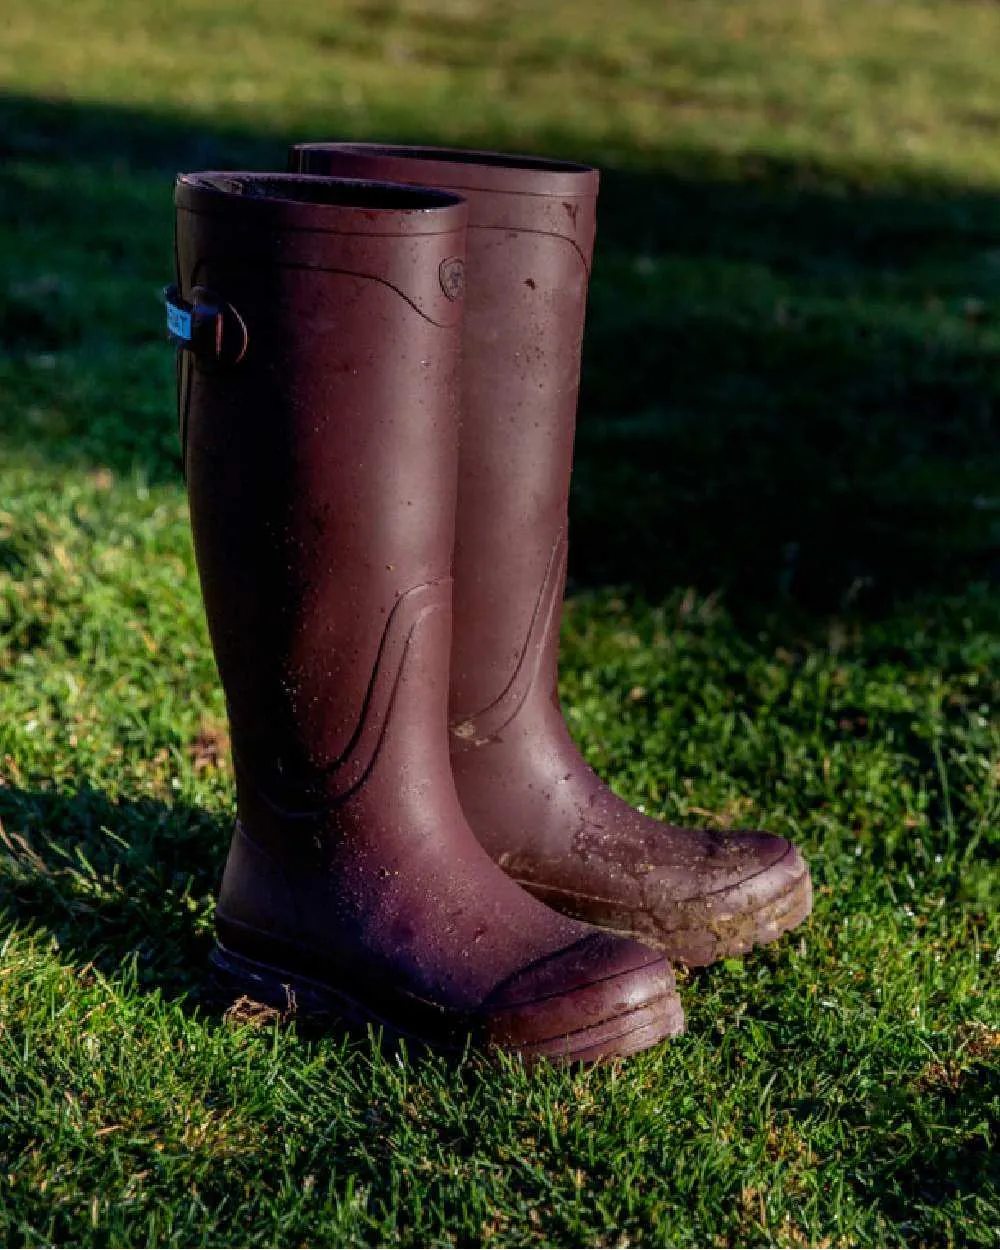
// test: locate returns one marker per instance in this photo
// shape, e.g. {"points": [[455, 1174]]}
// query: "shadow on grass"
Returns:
{"points": [[113, 882], [928, 1147], [957, 1158], [789, 390]]}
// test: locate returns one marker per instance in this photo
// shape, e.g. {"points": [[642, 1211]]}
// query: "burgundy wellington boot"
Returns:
{"points": [[319, 323], [529, 796]]}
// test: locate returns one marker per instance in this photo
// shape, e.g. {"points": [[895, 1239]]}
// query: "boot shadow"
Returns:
{"points": [[129, 886], [113, 883]]}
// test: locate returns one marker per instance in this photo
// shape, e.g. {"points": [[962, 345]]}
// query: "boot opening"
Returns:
{"points": [[462, 156], [336, 192]]}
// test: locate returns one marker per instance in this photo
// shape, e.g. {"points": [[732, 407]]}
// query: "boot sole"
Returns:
{"points": [[687, 938], [250, 992]]}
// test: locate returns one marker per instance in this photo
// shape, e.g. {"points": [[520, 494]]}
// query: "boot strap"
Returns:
{"points": [[207, 327]]}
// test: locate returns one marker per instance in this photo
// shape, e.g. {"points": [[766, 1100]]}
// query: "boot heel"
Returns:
{"points": [[246, 992]]}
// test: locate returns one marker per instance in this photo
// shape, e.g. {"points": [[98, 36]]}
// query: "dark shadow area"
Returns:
{"points": [[790, 394], [789, 386], [957, 1156], [113, 882], [809, 416], [940, 1150]]}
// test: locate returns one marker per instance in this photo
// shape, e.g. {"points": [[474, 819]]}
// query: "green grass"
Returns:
{"points": [[786, 611]]}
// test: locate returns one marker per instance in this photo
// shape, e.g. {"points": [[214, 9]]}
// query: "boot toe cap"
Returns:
{"points": [[766, 891], [696, 895], [599, 998], [763, 868]]}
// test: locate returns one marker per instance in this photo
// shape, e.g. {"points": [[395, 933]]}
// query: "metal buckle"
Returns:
{"points": [[209, 328]]}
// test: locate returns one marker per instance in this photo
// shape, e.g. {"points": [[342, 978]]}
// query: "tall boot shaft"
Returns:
{"points": [[529, 795], [530, 244], [321, 464]]}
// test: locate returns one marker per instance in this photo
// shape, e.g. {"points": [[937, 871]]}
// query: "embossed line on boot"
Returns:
{"points": [[477, 728], [548, 234], [305, 797], [253, 262]]}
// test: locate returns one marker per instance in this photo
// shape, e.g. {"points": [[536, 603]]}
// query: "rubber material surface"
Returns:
{"points": [[321, 469], [527, 792]]}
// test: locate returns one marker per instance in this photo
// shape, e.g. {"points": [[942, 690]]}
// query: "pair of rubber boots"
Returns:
{"points": [[378, 373]]}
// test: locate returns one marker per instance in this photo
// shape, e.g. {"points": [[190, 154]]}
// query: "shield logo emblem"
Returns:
{"points": [[452, 275]]}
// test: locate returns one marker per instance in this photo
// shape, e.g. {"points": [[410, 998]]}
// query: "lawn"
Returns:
{"points": [[785, 611]]}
